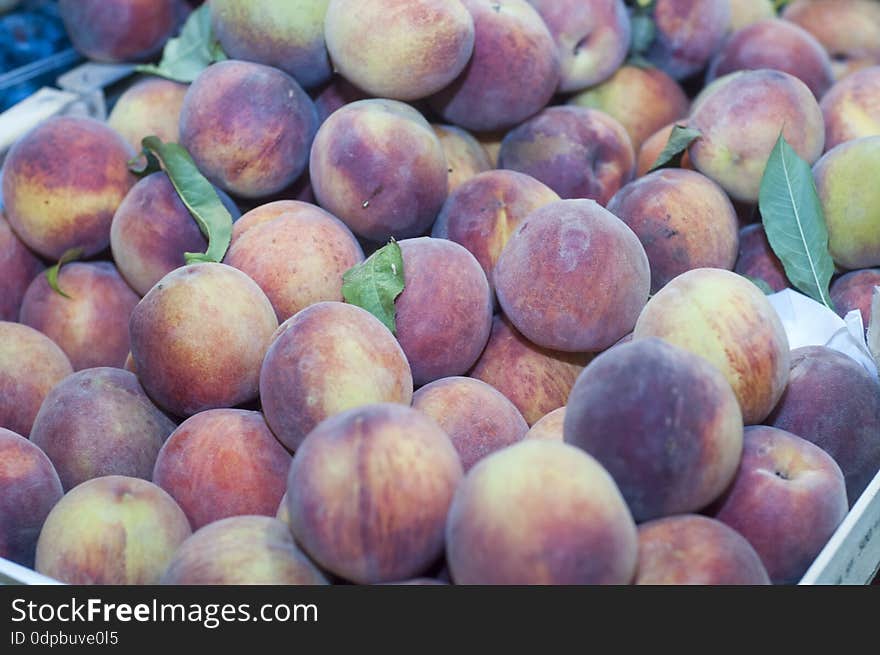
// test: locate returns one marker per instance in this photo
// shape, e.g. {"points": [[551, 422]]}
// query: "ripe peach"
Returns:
{"points": [[465, 156], [149, 107], [654, 145], [745, 12], [550, 426], [757, 260], [688, 34], [18, 267], [334, 95], [855, 290], [850, 107]]}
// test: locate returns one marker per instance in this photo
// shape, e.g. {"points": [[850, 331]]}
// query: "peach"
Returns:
{"points": [[851, 202], [746, 12], [222, 463], [120, 30], [855, 290], [757, 260], [726, 319], [280, 33], [199, 336], [536, 380], [18, 267], [779, 45], [577, 152], [511, 44], [54, 206], [465, 157], [850, 107], [29, 489], [100, 422], [696, 550], [334, 95], [329, 358], [91, 325], [787, 499], [484, 211], [153, 229], [369, 491], [478, 418], [30, 365], [683, 219], [573, 277], [673, 441], [654, 145], [283, 514], [298, 258], [540, 512], [849, 30], [149, 107], [643, 100], [833, 402], [242, 550], [444, 314], [740, 117], [688, 34], [111, 531], [592, 37], [491, 142], [550, 426], [400, 49], [248, 127], [378, 166]]}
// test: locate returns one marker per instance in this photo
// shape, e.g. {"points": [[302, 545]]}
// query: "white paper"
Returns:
{"points": [[809, 323]]}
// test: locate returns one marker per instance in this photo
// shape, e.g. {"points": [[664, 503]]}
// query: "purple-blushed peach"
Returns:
{"points": [[478, 418], [53, 205], [491, 142], [653, 146], [672, 442], [111, 531], [484, 211], [334, 95], [740, 117], [724, 318], [536, 380], [329, 358], [400, 49], [849, 30], [850, 107], [222, 463], [248, 127], [643, 100], [778, 45], [511, 44], [855, 290], [688, 34], [757, 260], [540, 512], [29, 489], [150, 107], [18, 267], [444, 314], [696, 550], [369, 491], [298, 258], [683, 219], [282, 33], [283, 513], [30, 365], [120, 30], [592, 36], [465, 156], [91, 324], [242, 550], [851, 202], [573, 277], [550, 426], [152, 231], [99, 422], [199, 336], [577, 152], [787, 500], [833, 402], [746, 12], [378, 166]]}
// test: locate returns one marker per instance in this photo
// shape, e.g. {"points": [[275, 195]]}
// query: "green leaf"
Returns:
{"points": [[143, 164], [375, 284], [794, 222], [197, 194], [874, 327], [52, 273], [190, 53], [680, 139], [761, 284]]}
